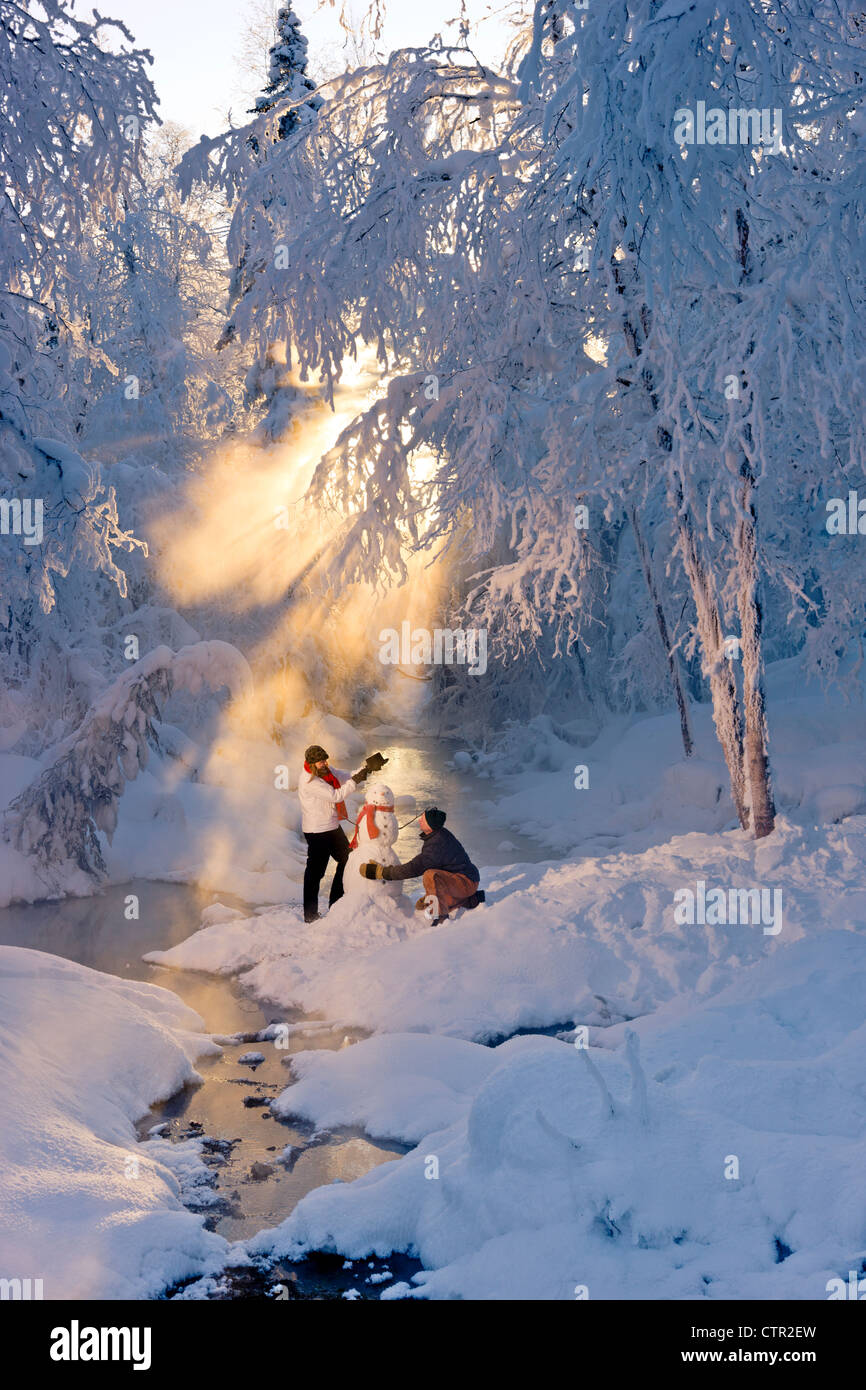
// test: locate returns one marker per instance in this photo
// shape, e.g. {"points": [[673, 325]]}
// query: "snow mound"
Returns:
{"points": [[83, 1205], [278, 940], [590, 942], [640, 788], [398, 1084], [218, 912], [687, 1159]]}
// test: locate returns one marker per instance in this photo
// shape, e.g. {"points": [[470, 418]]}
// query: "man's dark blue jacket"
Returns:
{"points": [[441, 850]]}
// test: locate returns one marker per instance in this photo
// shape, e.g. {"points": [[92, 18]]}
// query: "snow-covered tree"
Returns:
{"points": [[154, 387], [288, 84], [239, 163], [58, 818], [697, 254], [73, 113], [74, 100], [561, 293], [68, 538]]}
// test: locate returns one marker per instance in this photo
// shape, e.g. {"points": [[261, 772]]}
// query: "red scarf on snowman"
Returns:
{"points": [[368, 812], [342, 813]]}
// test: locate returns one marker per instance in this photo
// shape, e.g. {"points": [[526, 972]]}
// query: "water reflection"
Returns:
{"points": [[97, 933]]}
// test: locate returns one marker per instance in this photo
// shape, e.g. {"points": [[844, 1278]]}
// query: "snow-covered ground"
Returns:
{"points": [[83, 1206], [641, 788], [716, 1154], [590, 941], [720, 1156], [740, 1140], [696, 1129]]}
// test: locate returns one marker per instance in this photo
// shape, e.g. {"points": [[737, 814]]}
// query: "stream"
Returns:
{"points": [[230, 1107]]}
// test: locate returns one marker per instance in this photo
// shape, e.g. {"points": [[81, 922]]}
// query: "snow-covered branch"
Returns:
{"points": [[60, 816]]}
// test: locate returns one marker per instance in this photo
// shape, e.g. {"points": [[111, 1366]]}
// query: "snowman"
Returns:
{"points": [[376, 831]]}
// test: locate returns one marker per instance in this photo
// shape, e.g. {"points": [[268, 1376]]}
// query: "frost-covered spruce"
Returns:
{"points": [[244, 157], [287, 75]]}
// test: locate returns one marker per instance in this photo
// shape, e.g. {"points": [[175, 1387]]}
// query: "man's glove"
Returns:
{"points": [[372, 870], [376, 762], [361, 776]]}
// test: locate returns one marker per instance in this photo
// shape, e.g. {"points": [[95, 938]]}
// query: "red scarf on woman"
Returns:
{"points": [[342, 813], [372, 828]]}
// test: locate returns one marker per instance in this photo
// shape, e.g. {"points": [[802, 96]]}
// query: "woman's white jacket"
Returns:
{"points": [[319, 801]]}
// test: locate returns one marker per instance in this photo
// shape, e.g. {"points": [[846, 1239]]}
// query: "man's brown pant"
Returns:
{"points": [[449, 888]]}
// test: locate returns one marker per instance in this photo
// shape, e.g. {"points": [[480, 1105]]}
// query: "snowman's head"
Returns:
{"points": [[386, 822], [377, 794]]}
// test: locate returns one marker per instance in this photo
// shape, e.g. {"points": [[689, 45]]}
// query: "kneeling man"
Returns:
{"points": [[447, 872]]}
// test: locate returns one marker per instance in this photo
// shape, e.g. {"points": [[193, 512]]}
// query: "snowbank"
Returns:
{"points": [[720, 1158], [83, 1206], [641, 789], [399, 1084], [589, 942], [283, 948]]}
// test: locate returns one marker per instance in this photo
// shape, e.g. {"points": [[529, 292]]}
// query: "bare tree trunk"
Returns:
{"points": [[748, 605], [634, 337], [673, 662], [727, 716], [723, 687], [755, 741]]}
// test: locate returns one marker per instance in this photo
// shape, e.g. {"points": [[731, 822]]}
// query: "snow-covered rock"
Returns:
{"points": [[218, 912]]}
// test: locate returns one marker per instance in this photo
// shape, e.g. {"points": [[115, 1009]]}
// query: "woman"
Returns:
{"points": [[322, 791]]}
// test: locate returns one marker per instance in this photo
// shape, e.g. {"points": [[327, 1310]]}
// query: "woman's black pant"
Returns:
{"points": [[322, 846]]}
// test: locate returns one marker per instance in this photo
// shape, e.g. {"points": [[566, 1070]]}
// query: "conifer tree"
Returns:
{"points": [[287, 77], [287, 104]]}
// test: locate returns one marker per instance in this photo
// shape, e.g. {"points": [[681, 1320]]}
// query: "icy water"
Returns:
{"points": [[95, 932], [417, 767], [231, 1104]]}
